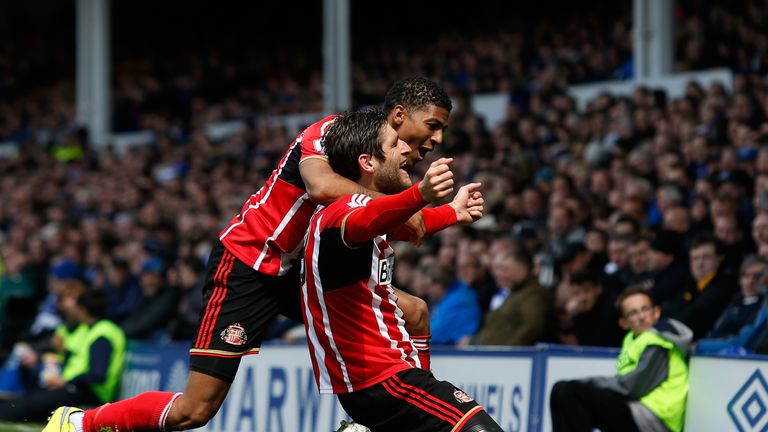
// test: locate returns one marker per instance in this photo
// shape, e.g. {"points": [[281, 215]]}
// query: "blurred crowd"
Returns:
{"points": [[645, 190]]}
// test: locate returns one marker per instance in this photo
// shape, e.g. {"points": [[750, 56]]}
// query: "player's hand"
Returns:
{"points": [[415, 229], [438, 181], [468, 203]]}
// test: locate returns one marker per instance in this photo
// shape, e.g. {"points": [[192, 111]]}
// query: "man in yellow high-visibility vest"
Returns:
{"points": [[650, 388]]}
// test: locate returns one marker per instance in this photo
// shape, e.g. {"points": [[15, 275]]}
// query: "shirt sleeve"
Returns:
{"points": [[312, 145], [381, 215], [651, 371]]}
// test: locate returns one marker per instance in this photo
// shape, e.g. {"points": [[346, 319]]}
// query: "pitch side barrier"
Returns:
{"points": [[275, 391]]}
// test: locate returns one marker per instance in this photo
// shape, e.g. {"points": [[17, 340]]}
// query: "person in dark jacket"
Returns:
{"points": [[700, 304]]}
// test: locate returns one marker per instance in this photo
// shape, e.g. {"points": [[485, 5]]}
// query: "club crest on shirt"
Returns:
{"points": [[234, 335], [461, 396]]}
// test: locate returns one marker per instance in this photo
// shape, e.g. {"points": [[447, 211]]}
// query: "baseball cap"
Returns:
{"points": [[153, 265], [66, 268]]}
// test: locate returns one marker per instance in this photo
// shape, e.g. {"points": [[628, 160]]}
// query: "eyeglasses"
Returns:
{"points": [[634, 313]]}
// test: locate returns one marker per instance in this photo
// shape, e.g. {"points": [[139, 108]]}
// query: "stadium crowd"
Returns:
{"points": [[645, 190]]}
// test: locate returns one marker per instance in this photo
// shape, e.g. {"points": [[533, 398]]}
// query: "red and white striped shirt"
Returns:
{"points": [[355, 330], [268, 233]]}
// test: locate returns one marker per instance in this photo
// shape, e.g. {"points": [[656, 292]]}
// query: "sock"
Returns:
{"points": [[77, 420], [422, 346], [146, 411]]}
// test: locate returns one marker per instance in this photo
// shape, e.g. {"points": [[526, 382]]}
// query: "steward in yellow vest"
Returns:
{"points": [[92, 367], [651, 386]]}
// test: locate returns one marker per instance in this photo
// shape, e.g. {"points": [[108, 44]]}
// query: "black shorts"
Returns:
{"points": [[412, 400], [239, 304]]}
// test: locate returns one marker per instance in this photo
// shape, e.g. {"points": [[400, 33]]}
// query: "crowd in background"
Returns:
{"points": [[670, 194]]}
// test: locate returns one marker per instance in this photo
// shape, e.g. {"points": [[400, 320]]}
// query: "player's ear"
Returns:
{"points": [[365, 162], [397, 116]]}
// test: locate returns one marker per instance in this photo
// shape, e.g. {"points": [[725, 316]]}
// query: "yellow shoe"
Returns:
{"points": [[59, 420]]}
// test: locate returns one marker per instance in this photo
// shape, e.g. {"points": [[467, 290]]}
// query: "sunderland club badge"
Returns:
{"points": [[234, 335]]}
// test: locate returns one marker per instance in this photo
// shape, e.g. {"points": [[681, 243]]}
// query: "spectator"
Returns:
{"points": [[640, 262], [743, 321], [650, 388], [454, 311], [729, 234], [702, 301], [667, 266], [157, 306], [122, 288], [91, 371], [592, 311], [520, 310]]}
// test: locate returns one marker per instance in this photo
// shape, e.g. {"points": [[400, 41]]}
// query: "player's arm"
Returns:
{"points": [[381, 216], [324, 185], [385, 214], [466, 207]]}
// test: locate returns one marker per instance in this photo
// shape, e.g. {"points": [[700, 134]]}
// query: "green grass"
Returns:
{"points": [[21, 427]]}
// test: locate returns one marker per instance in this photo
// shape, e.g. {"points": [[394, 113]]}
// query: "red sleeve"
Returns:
{"points": [[435, 219], [311, 138], [382, 215], [438, 218]]}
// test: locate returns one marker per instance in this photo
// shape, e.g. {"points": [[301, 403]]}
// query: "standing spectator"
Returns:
{"points": [[651, 386]]}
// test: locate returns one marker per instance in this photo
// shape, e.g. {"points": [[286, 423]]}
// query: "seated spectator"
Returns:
{"points": [[640, 271], [20, 371], [667, 265], [520, 309], [650, 388], [702, 301], [157, 306], [592, 311], [90, 373], [454, 311], [744, 319], [730, 235], [62, 271], [616, 273], [122, 289]]}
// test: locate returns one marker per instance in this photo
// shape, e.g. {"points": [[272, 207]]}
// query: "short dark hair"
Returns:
{"points": [[416, 92], [629, 292], [705, 239], [94, 302], [583, 276], [351, 135]]}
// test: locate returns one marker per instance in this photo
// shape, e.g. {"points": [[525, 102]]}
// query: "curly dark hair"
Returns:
{"points": [[415, 93]]}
